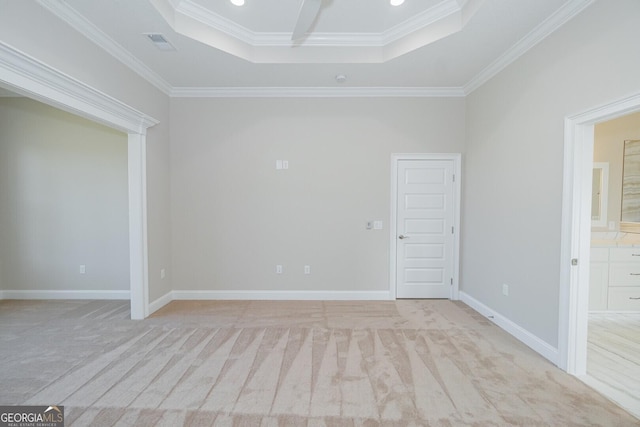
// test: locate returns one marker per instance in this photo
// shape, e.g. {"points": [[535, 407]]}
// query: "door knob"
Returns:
{"points": [[401, 237]]}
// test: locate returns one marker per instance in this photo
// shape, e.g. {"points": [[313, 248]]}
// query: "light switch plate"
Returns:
{"points": [[377, 225]]}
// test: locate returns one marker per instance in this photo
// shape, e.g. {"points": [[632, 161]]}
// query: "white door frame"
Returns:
{"points": [[34, 79], [576, 230], [393, 227]]}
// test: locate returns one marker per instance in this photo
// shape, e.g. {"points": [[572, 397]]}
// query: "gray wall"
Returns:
{"points": [[235, 216], [514, 163], [64, 201]]}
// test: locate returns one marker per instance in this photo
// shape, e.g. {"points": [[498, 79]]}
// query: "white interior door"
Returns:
{"points": [[425, 229]]}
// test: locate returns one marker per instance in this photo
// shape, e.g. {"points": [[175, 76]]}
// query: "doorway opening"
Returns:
{"points": [[576, 230], [26, 76]]}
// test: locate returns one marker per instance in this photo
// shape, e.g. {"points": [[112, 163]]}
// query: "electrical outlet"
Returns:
{"points": [[163, 273], [505, 289], [278, 269], [307, 269], [83, 269]]}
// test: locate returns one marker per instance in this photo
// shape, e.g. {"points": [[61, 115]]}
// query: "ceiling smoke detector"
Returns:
{"points": [[341, 78]]}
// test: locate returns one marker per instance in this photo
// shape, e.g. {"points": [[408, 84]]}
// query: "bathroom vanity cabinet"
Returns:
{"points": [[614, 279]]}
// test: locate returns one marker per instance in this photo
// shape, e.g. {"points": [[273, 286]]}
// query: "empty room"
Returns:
{"points": [[317, 212]]}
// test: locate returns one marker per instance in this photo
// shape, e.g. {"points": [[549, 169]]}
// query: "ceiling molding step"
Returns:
{"points": [[317, 92], [72, 17], [194, 11], [202, 14], [30, 77], [419, 21], [542, 31]]}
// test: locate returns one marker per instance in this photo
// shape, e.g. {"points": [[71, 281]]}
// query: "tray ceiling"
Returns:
{"points": [[425, 47]]}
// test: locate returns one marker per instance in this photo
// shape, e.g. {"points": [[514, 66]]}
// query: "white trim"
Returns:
{"points": [[85, 27], [228, 295], [160, 302], [422, 20], [193, 11], [199, 23], [576, 230], [316, 92], [538, 345], [393, 242], [138, 241], [64, 294], [30, 77], [542, 31], [282, 295]]}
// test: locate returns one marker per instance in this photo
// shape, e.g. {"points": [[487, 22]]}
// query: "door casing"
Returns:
{"points": [[456, 158], [576, 230], [34, 79]]}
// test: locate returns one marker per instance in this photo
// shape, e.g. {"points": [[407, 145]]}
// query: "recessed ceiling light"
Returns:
{"points": [[238, 2], [396, 2]]}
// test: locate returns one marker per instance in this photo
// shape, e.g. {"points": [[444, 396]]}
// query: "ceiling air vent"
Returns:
{"points": [[160, 42]]}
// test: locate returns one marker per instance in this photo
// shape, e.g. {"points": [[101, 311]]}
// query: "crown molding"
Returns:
{"points": [[194, 11], [550, 25], [317, 92], [28, 76], [193, 20], [72, 17], [203, 15], [421, 20]]}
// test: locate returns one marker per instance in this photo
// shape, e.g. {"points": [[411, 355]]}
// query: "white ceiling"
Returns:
{"points": [[248, 49]]}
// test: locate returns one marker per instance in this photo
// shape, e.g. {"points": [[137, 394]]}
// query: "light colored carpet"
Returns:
{"points": [[395, 363]]}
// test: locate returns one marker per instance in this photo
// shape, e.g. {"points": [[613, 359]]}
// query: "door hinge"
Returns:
{"points": [[452, 281], [453, 230], [574, 261], [454, 177]]}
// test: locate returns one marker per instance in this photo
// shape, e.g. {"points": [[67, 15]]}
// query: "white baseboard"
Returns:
{"points": [[65, 294], [268, 296], [160, 302], [543, 348], [283, 295]]}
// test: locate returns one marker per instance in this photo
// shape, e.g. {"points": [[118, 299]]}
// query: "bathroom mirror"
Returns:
{"points": [[630, 216], [599, 193]]}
